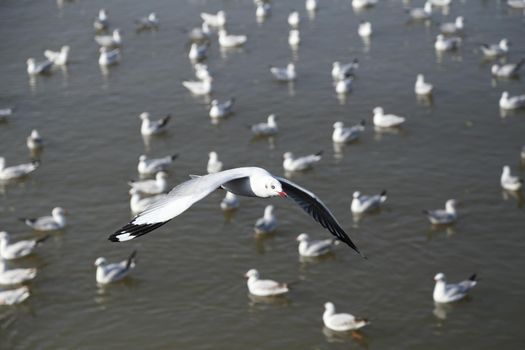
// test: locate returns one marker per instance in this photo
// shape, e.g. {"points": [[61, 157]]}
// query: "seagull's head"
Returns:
{"points": [[440, 37], [2, 163], [35, 134], [274, 188], [144, 116], [161, 175], [58, 211], [450, 205], [30, 61], [142, 158], [290, 67], [336, 64], [505, 95], [504, 44], [420, 77], [213, 155], [65, 48], [378, 110], [100, 261], [494, 69], [214, 102], [252, 273], [439, 277], [302, 237], [288, 155], [338, 125], [272, 118], [329, 307], [4, 236], [357, 194]]}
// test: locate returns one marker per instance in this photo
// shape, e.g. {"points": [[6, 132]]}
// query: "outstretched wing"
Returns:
{"points": [[176, 202], [313, 206]]}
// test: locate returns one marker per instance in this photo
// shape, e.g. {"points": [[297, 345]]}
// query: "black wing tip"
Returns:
{"points": [[383, 193], [426, 212], [320, 153], [473, 277], [363, 122], [175, 156], [43, 239], [132, 231], [131, 258]]}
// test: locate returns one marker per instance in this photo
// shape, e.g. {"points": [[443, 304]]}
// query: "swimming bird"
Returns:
{"points": [[198, 52], [155, 127], [248, 181], [451, 28], [214, 20], [18, 249], [267, 223], [294, 37], [386, 120], [509, 70], [447, 44], [345, 135], [291, 164], [361, 4], [150, 187], [443, 217], [15, 276], [148, 166], [264, 288], [449, 292], [422, 87], [496, 50], [341, 71], [101, 21], [284, 74], [34, 141], [59, 58], [510, 182], [107, 57], [230, 40], [221, 110], [138, 203], [341, 322], [201, 71], [311, 5], [294, 19], [229, 202], [511, 102], [263, 9], [418, 13], [14, 296], [266, 129], [113, 40], [365, 29], [343, 86], [56, 221], [442, 3], [361, 203], [108, 273], [151, 21], [16, 171], [517, 4], [5, 112], [214, 164], [202, 87], [34, 68], [201, 33], [313, 248]]}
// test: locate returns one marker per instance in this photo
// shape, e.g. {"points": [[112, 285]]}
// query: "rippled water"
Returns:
{"points": [[187, 290]]}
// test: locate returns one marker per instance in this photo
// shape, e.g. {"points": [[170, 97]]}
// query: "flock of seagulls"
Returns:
{"points": [[155, 207]]}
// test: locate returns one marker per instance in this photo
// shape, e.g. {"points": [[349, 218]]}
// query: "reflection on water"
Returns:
{"points": [[342, 337]]}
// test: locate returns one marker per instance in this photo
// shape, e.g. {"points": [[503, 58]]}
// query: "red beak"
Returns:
{"points": [[282, 194]]}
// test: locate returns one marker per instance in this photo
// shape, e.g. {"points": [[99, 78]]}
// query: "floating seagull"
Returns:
{"points": [[509, 182], [447, 292], [361, 203], [201, 71], [313, 248], [150, 187], [443, 217], [361, 4], [294, 37], [266, 129], [108, 58], [15, 276], [155, 127], [422, 87], [291, 164], [517, 4], [496, 50], [201, 33], [442, 3], [344, 135], [14, 296], [198, 52], [386, 120], [109, 40], [154, 165], [58, 58], [214, 164], [101, 21], [311, 5], [137, 203], [365, 29], [263, 9], [34, 68], [151, 21], [34, 141], [340, 72], [217, 20], [268, 223], [419, 13], [249, 181], [108, 273], [447, 44], [203, 87], [294, 19], [509, 70], [16, 171], [221, 110], [341, 322], [230, 40], [5, 112], [56, 221], [343, 86], [229, 202], [511, 102], [284, 74], [19, 249], [452, 28], [264, 288]]}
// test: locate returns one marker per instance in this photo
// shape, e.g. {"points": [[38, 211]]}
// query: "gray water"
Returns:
{"points": [[187, 291]]}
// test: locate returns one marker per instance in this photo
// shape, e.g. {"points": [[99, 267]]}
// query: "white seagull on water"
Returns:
{"points": [[361, 203], [447, 44], [34, 141], [198, 52], [138, 203], [292, 164], [266, 129], [203, 87], [59, 58], [151, 21], [509, 70], [248, 181], [108, 273], [149, 127], [294, 19], [511, 102], [341, 322], [229, 202], [383, 120], [221, 110], [214, 164], [310, 248], [214, 20], [510, 182], [449, 292], [284, 74], [148, 166], [101, 21], [150, 187], [455, 27], [55, 221], [443, 216], [229, 40], [345, 135], [496, 50], [264, 288], [268, 223], [341, 71], [418, 13], [115, 39], [14, 296], [15, 276], [16, 171], [108, 57], [34, 68], [365, 29], [20, 249], [422, 87]]}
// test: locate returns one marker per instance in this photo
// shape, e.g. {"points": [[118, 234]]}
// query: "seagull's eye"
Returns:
{"points": [[273, 187]]}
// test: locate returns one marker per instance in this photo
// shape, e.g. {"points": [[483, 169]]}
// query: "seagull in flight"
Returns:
{"points": [[246, 181]]}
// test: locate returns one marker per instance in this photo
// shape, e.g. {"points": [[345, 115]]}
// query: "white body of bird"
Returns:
{"points": [[109, 273], [361, 203], [341, 71], [447, 44], [291, 164], [20, 249], [148, 166], [419, 13], [345, 135], [59, 58], [15, 276], [221, 110], [101, 21], [383, 120], [361, 4], [511, 102], [448, 292], [151, 187], [214, 20], [34, 68], [264, 288], [229, 202], [343, 86], [55, 221], [198, 52], [34, 141], [509, 70], [294, 37], [310, 248], [229, 40], [365, 29], [266, 129], [14, 296], [115, 39], [214, 164], [284, 74], [202, 87], [294, 19], [108, 57], [341, 322], [268, 223], [138, 204], [443, 217], [510, 182], [311, 5], [452, 28], [422, 87], [496, 50], [16, 171], [149, 127]]}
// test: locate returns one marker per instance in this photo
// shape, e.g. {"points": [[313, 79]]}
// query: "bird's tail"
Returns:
{"points": [[320, 153], [473, 277], [27, 221], [165, 120], [131, 259], [173, 157], [426, 212], [43, 239], [382, 196], [520, 63], [363, 122]]}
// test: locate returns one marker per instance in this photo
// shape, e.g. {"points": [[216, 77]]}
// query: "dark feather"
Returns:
{"points": [[135, 230]]}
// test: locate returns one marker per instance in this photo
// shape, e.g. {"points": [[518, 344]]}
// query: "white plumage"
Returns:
{"points": [[14, 296], [449, 292], [268, 223], [214, 20], [313, 248], [422, 87], [34, 68], [115, 39], [341, 71], [229, 202], [20, 249], [153, 127], [108, 273], [15, 276], [341, 322], [284, 74], [55, 221], [511, 102], [443, 217], [266, 129], [214, 164], [383, 120], [16, 171], [108, 57], [203, 87], [221, 110], [344, 135], [447, 44], [148, 166], [291, 164], [59, 58], [510, 182], [361, 203], [264, 288], [151, 187]]}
